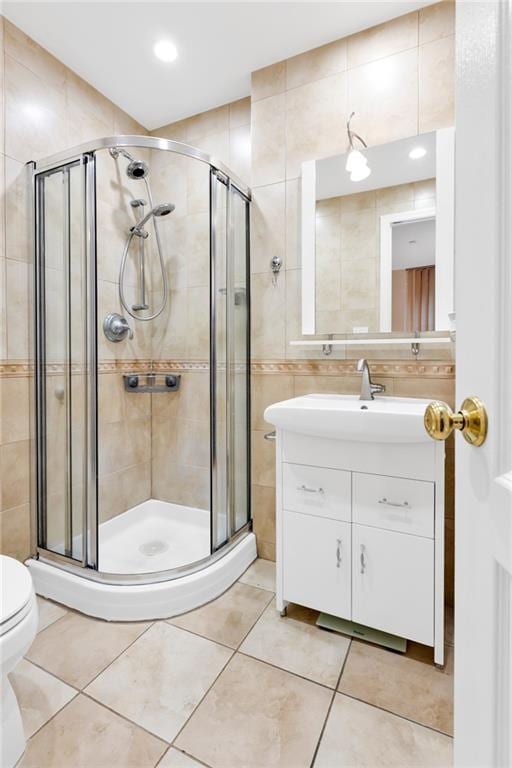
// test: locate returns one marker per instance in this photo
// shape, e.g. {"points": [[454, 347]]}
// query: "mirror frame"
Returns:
{"points": [[445, 252]]}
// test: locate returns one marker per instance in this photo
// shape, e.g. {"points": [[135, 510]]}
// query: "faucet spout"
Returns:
{"points": [[368, 388]]}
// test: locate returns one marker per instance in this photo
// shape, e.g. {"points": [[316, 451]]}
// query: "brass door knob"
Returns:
{"points": [[471, 420]]}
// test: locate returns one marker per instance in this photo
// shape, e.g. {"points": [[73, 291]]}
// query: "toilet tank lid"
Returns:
{"points": [[16, 587]]}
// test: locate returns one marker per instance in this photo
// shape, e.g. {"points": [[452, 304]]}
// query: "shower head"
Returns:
{"points": [[163, 209], [137, 169], [159, 210]]}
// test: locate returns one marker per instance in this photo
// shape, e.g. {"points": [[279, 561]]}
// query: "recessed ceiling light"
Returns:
{"points": [[165, 50], [417, 152]]}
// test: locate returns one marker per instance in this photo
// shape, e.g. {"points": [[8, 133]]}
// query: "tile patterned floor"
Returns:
{"points": [[229, 685]]}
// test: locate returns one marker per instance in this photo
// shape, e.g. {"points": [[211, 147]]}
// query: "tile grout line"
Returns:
{"points": [[219, 642], [183, 752], [79, 691], [288, 671], [173, 742], [396, 714], [322, 730], [76, 693], [52, 674], [124, 717], [234, 651], [118, 655]]}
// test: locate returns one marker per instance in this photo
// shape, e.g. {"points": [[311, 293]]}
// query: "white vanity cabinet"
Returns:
{"points": [[360, 532]]}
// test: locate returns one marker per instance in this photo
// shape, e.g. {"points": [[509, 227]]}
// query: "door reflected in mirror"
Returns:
{"points": [[378, 253], [413, 280]]}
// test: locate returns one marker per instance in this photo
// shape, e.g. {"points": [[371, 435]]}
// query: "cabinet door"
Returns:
{"points": [[393, 583], [317, 563]]}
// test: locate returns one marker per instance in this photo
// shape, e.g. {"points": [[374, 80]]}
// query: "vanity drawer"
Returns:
{"points": [[317, 491], [394, 503]]}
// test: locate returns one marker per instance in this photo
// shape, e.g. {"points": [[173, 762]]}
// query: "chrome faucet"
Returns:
{"points": [[368, 388]]}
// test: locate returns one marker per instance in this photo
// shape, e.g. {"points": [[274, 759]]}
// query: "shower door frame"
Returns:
{"points": [[84, 155], [219, 177], [39, 485]]}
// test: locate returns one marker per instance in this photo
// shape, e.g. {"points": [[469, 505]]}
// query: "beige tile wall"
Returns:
{"points": [[397, 77], [44, 109]]}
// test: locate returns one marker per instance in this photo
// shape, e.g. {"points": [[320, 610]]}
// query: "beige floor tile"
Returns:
{"points": [[361, 736], [256, 716], [76, 648], [401, 684], [262, 574], [229, 618], [39, 695], [296, 644], [86, 735], [161, 678], [176, 759], [48, 612]]}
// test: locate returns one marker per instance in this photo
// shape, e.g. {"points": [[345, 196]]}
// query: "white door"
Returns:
{"points": [[393, 582], [317, 563], [483, 533]]}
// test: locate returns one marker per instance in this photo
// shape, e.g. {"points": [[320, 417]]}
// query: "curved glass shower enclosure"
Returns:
{"points": [[142, 362]]}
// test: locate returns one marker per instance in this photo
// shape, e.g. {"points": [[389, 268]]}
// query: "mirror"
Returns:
{"points": [[377, 254]]}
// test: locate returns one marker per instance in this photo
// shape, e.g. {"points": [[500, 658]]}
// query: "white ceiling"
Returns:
{"points": [[111, 45]]}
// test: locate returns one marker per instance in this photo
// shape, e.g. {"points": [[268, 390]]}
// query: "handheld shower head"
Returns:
{"points": [[159, 210], [163, 209]]}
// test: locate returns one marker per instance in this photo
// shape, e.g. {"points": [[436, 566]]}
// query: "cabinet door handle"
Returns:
{"points": [[338, 553], [362, 558], [394, 503], [309, 490]]}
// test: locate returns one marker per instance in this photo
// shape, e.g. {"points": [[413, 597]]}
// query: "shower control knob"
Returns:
{"points": [[116, 328], [170, 381], [133, 382]]}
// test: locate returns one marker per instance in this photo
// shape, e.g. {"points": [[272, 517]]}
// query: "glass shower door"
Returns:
{"points": [[62, 430], [239, 355], [230, 433]]}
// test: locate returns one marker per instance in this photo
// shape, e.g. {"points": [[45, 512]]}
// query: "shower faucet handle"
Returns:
{"points": [[116, 328]]}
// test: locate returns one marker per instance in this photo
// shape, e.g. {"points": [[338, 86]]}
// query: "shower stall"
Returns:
{"points": [[141, 480]]}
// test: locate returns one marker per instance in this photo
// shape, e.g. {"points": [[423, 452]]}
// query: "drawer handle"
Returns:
{"points": [[309, 490], [387, 503], [338, 553], [362, 558]]}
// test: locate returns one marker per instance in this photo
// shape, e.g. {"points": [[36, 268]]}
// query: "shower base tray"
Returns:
{"points": [[143, 542]]}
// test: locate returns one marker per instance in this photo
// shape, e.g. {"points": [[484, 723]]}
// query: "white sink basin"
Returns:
{"points": [[346, 417]]}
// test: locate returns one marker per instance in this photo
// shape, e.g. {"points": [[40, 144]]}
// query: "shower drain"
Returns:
{"points": [[151, 548]]}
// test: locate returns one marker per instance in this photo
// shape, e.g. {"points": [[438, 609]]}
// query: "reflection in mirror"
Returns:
{"points": [[378, 253], [413, 275]]}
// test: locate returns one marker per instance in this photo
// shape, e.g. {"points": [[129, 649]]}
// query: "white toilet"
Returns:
{"points": [[18, 628]]}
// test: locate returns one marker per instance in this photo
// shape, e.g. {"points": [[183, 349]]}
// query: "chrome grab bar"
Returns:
{"points": [[394, 503], [309, 490], [270, 435]]}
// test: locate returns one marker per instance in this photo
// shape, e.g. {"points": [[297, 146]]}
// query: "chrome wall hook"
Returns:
{"points": [[276, 263]]}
